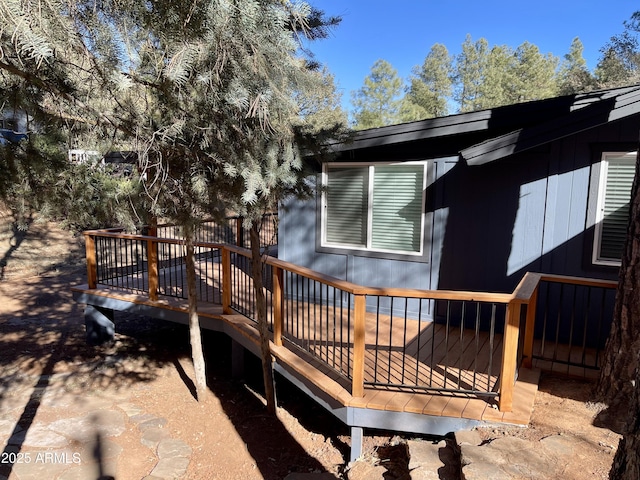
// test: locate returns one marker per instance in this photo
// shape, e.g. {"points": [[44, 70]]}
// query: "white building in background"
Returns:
{"points": [[84, 156]]}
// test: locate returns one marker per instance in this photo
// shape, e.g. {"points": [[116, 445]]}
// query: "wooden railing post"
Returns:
{"points": [[357, 387], [529, 330], [92, 264], [226, 281], [152, 269], [278, 303], [509, 356]]}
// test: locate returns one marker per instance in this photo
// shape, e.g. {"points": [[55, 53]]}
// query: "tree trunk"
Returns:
{"points": [[623, 345], [261, 307], [626, 464], [195, 337], [619, 384]]}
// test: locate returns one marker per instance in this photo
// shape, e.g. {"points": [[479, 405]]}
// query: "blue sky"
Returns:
{"points": [[402, 31]]}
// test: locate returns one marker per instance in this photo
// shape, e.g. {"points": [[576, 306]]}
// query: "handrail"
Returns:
{"points": [[532, 302], [345, 285], [591, 282], [525, 294]]}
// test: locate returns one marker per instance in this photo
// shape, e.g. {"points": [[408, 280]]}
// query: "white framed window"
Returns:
{"points": [[617, 170], [376, 207]]}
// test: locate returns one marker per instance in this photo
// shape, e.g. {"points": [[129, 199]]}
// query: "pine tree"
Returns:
{"points": [[498, 81], [619, 63], [487, 78], [206, 94], [619, 382], [470, 72], [430, 86], [533, 75], [574, 76], [378, 102]]}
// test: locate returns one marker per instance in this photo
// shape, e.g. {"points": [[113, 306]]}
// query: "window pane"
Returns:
{"points": [[346, 214], [615, 214], [397, 207]]}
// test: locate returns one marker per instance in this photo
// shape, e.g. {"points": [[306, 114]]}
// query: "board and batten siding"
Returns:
{"points": [[299, 231], [485, 225]]}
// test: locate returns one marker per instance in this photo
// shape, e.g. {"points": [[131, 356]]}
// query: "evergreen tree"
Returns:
{"points": [[533, 76], [470, 71], [205, 93], [611, 71], [431, 84], [410, 112], [494, 90], [619, 382], [487, 78], [619, 62], [574, 76], [322, 106], [378, 102]]}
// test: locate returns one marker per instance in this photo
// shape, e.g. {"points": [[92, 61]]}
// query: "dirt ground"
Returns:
{"points": [[232, 437]]}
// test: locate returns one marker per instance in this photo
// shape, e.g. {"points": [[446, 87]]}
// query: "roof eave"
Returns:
{"points": [[607, 109]]}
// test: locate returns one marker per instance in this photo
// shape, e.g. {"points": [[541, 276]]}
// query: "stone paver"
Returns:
{"points": [[172, 448], [171, 468], [65, 448], [81, 441], [38, 435], [507, 458], [151, 437], [512, 458]]}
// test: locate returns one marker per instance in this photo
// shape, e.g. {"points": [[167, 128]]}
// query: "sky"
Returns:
{"points": [[403, 31]]}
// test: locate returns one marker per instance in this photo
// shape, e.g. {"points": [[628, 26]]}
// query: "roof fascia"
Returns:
{"points": [[424, 129], [589, 115]]}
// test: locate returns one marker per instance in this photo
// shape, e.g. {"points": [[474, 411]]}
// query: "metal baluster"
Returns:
{"points": [[492, 331]]}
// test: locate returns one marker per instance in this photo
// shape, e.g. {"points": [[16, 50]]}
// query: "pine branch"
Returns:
{"points": [[57, 92]]}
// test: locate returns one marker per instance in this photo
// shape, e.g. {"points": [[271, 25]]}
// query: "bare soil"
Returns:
{"points": [[232, 436]]}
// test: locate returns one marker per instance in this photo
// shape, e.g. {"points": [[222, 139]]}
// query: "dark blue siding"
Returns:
{"points": [[487, 225]]}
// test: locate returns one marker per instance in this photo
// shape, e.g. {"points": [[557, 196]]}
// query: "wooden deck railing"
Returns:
{"points": [[450, 341], [568, 322], [230, 231]]}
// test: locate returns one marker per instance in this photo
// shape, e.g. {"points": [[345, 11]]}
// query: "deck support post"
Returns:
{"points": [[226, 281], [99, 324], [278, 298], [509, 356], [92, 264], [360, 309], [527, 350], [237, 359], [357, 437]]}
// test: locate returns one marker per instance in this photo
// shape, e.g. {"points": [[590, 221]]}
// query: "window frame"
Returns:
{"points": [[627, 156], [368, 249]]}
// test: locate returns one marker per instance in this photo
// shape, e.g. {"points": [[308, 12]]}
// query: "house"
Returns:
{"points": [[411, 223], [473, 201]]}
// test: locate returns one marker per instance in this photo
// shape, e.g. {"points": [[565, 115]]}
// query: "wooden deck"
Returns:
{"points": [[425, 357], [410, 366]]}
